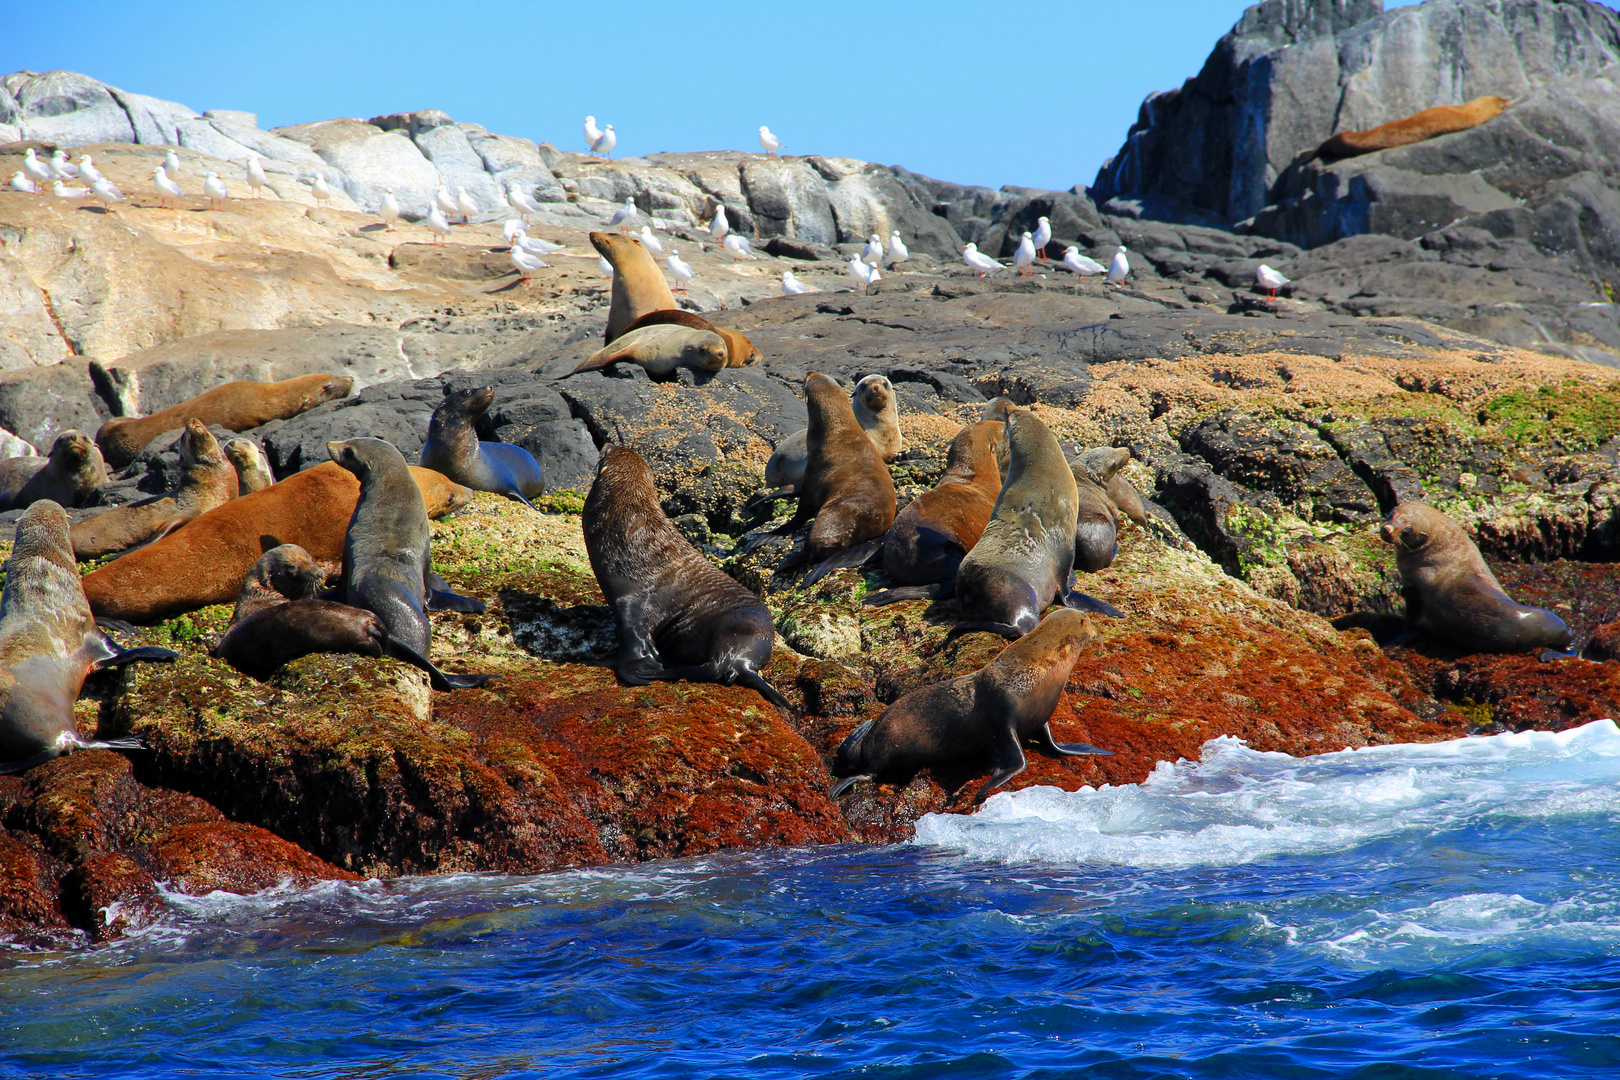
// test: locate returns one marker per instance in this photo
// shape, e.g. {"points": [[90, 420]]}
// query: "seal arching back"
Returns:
{"points": [[638, 284]]}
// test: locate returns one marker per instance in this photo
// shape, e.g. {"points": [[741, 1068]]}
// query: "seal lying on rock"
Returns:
{"points": [[1024, 560], [1104, 463], [661, 349], [1420, 126], [678, 615], [1096, 529], [875, 412], [236, 406], [988, 714], [387, 565], [638, 284], [48, 644], [453, 448], [72, 471], [252, 470], [740, 352], [207, 480], [937, 529], [207, 561], [278, 619], [1452, 596]]}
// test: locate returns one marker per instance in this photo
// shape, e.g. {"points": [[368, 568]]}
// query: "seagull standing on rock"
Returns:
{"points": [[215, 189], [521, 202], [466, 204], [593, 134], [439, 224], [719, 226], [21, 183], [533, 244], [37, 170], [63, 192], [389, 210], [167, 189], [1119, 269], [171, 165], [604, 146], [623, 215], [864, 273], [979, 261], [255, 176], [1080, 264], [88, 170], [321, 190], [1269, 280], [1025, 255], [106, 192], [60, 167], [739, 247], [677, 266], [447, 205], [525, 263], [897, 250], [770, 142], [872, 253], [792, 286], [1043, 236], [649, 241]]}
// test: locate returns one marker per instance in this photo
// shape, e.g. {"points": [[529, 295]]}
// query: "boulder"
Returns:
{"points": [[370, 162], [39, 403]]}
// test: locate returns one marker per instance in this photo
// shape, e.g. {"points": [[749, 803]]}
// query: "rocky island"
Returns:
{"points": [[1447, 334]]}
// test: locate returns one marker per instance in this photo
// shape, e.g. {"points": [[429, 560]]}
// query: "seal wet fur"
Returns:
{"points": [[1452, 596], [454, 449], [989, 714], [67, 476], [49, 643], [678, 615]]}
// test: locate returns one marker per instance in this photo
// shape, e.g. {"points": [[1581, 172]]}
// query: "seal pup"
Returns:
{"points": [[68, 475], [740, 352], [236, 406], [638, 284], [278, 619], [1096, 529], [1420, 126], [875, 411], [252, 470], [1452, 596], [387, 567], [453, 448], [1024, 560], [936, 530], [207, 480], [662, 350], [988, 714], [48, 644], [1105, 463], [678, 615]]}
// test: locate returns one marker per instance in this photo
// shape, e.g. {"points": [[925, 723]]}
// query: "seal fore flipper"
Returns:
{"points": [[845, 784], [444, 600], [937, 591], [1007, 760], [1081, 602], [859, 555], [1006, 630], [437, 679]]}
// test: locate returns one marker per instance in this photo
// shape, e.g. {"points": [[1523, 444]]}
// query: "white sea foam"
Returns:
{"points": [[1237, 805]]}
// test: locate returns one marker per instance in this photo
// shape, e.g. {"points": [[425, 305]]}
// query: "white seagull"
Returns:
{"points": [[677, 266], [534, 245], [521, 202], [1119, 268], [1043, 236], [87, 168], [592, 132], [62, 192], [623, 215], [447, 205], [37, 170], [719, 226], [59, 167], [389, 210], [604, 146], [1025, 255], [21, 183], [792, 286], [255, 176], [321, 190], [512, 228], [649, 241], [979, 261], [1080, 264], [770, 142], [525, 263], [897, 250], [167, 189], [465, 203], [873, 251], [864, 273], [105, 191], [441, 228], [739, 247], [1269, 280], [607, 267], [171, 165], [215, 189]]}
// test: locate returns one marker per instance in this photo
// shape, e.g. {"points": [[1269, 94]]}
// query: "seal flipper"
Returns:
{"points": [[1006, 630], [445, 600], [750, 677], [859, 555], [937, 591], [1006, 760], [1043, 739], [146, 652], [522, 498], [846, 783], [763, 498], [117, 626], [1081, 602], [437, 679]]}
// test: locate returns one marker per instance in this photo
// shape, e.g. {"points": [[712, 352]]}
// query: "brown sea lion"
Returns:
{"points": [[740, 352], [453, 448], [638, 284], [207, 480], [252, 470], [988, 714], [48, 644], [1452, 596], [1105, 463], [1096, 529], [73, 469], [661, 350], [875, 412], [936, 530], [278, 619], [678, 615], [997, 409], [387, 564], [1024, 560], [207, 561], [1439, 120], [236, 406]]}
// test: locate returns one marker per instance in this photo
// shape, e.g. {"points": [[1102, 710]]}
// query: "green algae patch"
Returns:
{"points": [[1577, 415]]}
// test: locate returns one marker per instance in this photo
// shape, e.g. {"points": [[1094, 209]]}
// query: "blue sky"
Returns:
{"points": [[1016, 92]]}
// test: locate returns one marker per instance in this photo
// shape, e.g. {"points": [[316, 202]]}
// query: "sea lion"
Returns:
{"points": [[661, 350], [740, 352], [252, 470], [1105, 463], [1439, 120], [1096, 529], [1452, 596], [207, 480], [678, 615], [73, 469], [990, 713], [387, 566], [936, 530], [236, 406], [1024, 560], [997, 409], [875, 412], [207, 561], [638, 284], [48, 644], [278, 619], [453, 448], [847, 491]]}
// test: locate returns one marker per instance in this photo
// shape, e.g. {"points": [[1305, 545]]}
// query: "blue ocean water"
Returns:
{"points": [[1446, 910]]}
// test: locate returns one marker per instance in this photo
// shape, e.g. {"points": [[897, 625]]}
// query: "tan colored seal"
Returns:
{"points": [[207, 561], [252, 470], [740, 352], [236, 406], [988, 714], [875, 411], [48, 644], [68, 475], [207, 480], [661, 350], [638, 284], [1439, 120], [1452, 596]]}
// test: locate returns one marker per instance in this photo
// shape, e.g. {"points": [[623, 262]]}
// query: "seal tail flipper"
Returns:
{"points": [[859, 555], [145, 652], [1006, 630], [126, 742], [764, 498], [1081, 602], [445, 600], [437, 679], [937, 591], [750, 677], [522, 498], [1080, 749], [117, 626], [588, 364], [846, 783]]}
